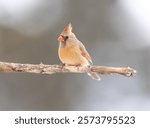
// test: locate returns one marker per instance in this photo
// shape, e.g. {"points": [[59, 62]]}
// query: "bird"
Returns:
{"points": [[71, 51]]}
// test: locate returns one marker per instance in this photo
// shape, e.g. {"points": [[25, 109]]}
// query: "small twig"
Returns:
{"points": [[51, 69]]}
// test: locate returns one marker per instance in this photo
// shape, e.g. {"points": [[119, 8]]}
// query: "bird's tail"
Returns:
{"points": [[94, 75]]}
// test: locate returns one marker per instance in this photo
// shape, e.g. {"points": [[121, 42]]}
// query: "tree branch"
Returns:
{"points": [[51, 69]]}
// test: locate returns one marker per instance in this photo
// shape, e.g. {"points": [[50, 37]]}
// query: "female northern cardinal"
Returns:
{"points": [[72, 52]]}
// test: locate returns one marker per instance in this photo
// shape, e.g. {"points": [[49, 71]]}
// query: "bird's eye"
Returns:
{"points": [[66, 37]]}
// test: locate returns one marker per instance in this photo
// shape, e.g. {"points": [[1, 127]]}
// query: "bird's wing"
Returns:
{"points": [[84, 52]]}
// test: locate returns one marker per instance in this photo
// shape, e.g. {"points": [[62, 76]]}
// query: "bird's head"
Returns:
{"points": [[66, 34]]}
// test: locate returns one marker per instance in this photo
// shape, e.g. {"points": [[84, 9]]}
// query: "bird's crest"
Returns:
{"points": [[68, 28]]}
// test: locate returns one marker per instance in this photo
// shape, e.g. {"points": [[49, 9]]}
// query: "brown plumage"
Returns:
{"points": [[72, 52]]}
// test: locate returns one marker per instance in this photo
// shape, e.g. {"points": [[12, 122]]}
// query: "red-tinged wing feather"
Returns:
{"points": [[84, 53]]}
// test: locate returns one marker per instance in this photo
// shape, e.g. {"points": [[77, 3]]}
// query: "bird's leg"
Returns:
{"points": [[89, 67], [62, 65], [78, 66]]}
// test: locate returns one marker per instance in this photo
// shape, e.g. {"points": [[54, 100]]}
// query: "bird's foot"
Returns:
{"points": [[62, 65]]}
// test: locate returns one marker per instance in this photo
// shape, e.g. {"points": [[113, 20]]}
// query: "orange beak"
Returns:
{"points": [[60, 39]]}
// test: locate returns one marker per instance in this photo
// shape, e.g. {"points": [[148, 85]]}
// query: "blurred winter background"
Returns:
{"points": [[115, 32]]}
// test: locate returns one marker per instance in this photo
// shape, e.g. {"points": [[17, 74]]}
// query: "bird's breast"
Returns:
{"points": [[72, 56]]}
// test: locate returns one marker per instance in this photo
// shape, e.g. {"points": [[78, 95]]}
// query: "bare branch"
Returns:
{"points": [[51, 69]]}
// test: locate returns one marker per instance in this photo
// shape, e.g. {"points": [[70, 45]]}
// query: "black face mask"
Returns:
{"points": [[62, 44]]}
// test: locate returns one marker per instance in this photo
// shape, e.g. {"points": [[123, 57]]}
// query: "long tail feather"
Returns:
{"points": [[94, 75]]}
